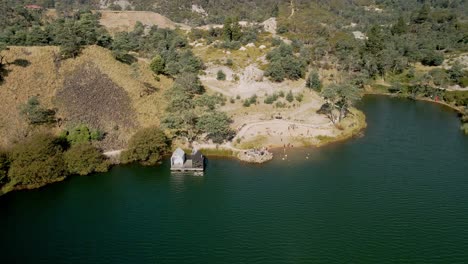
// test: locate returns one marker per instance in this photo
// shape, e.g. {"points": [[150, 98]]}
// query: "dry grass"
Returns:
{"points": [[44, 77]]}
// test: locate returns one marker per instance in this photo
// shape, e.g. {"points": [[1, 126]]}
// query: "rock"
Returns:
{"points": [[242, 49], [228, 52], [199, 45], [262, 47], [250, 45], [255, 155]]}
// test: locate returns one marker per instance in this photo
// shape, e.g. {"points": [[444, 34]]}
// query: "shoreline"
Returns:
{"points": [[418, 98]]}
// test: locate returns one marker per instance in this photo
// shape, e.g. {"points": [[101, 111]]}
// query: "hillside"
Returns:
{"points": [[93, 89]]}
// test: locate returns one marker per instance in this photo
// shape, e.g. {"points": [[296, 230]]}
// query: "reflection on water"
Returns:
{"points": [[179, 180]]}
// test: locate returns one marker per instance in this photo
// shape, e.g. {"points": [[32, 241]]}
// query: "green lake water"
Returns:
{"points": [[398, 194]]}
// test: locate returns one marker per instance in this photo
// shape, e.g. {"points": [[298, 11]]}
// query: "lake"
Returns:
{"points": [[398, 194]]}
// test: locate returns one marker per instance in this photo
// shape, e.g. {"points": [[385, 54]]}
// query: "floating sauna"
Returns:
{"points": [[183, 162]]}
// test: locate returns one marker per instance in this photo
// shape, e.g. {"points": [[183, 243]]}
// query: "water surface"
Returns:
{"points": [[399, 194]]}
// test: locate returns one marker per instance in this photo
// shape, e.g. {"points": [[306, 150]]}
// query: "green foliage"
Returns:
{"points": [[220, 76], [35, 114], [210, 102], [82, 134], [190, 83], [270, 99], [299, 97], [4, 167], [313, 82], [147, 146], [289, 96], [283, 64], [432, 58], [341, 97], [36, 162], [216, 125], [84, 158], [157, 64]]}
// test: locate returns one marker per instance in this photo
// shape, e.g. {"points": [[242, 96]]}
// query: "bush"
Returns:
{"points": [[36, 114], [432, 58], [147, 146], [271, 99], [290, 96], [157, 64], [313, 82], [221, 76], [38, 161], [82, 134], [299, 97], [84, 159]]}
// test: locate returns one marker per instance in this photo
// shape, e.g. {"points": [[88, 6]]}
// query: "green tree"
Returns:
{"points": [[340, 97], [216, 125], [37, 161], [147, 146], [220, 75], [227, 30], [84, 158], [36, 114], [313, 82], [157, 64], [400, 27]]}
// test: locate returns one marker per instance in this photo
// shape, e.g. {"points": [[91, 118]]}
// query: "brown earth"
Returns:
{"points": [[93, 88]]}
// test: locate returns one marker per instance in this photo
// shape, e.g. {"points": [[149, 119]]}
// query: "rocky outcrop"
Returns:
{"points": [[255, 155]]}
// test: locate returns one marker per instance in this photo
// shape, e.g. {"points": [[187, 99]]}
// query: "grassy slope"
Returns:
{"points": [[44, 77]]}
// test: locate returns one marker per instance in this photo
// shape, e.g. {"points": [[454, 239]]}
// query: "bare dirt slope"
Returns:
{"points": [[94, 89], [116, 21]]}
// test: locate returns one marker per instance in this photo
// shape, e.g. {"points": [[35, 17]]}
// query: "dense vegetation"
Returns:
{"points": [[44, 158], [147, 146]]}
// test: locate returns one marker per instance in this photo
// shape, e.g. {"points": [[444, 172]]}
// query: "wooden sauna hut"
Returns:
{"points": [[180, 161]]}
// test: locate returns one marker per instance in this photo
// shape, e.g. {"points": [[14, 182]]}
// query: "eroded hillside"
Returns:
{"points": [[93, 89]]}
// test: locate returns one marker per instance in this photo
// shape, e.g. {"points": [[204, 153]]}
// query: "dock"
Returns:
{"points": [[180, 161]]}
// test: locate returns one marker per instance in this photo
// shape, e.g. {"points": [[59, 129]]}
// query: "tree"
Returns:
{"points": [[216, 125], [432, 58], [84, 159], [400, 27], [36, 114], [313, 82], [36, 162], [147, 146], [340, 97], [190, 83], [375, 40], [220, 75], [227, 30], [157, 64]]}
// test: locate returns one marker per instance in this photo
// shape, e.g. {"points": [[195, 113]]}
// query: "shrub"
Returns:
{"points": [[313, 82], [82, 134], [147, 146], [38, 161], [271, 99], [299, 97], [229, 62], [157, 64], [36, 114], [84, 159], [221, 76], [290, 96], [432, 58]]}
